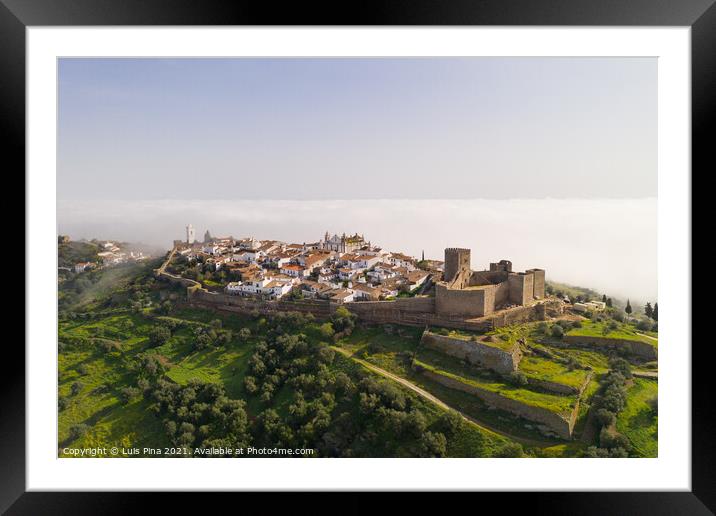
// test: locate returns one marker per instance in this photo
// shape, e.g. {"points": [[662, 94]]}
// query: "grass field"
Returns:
{"points": [[601, 329], [101, 346], [454, 369], [637, 421], [102, 374], [552, 371]]}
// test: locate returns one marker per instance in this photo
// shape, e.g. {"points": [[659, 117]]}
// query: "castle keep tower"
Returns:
{"points": [[457, 260], [190, 234]]}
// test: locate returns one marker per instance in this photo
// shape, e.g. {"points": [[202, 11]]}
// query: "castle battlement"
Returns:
{"points": [[467, 293]]}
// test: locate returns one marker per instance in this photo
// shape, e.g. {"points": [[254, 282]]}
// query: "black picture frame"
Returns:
{"points": [[16, 15]]}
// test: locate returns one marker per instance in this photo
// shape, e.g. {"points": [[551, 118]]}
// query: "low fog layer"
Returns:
{"points": [[609, 245]]}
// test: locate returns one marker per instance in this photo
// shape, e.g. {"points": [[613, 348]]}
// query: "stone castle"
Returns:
{"points": [[463, 298], [467, 293]]}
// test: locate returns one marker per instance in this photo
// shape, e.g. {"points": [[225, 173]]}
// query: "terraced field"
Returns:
{"points": [[552, 371], [638, 421], [602, 329], [456, 370]]}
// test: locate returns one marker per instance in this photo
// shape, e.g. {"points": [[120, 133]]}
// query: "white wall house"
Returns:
{"points": [[294, 270]]}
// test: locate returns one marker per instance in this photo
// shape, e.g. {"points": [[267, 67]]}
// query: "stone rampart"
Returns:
{"points": [[522, 314], [559, 388], [471, 302], [635, 347], [549, 422], [475, 352]]}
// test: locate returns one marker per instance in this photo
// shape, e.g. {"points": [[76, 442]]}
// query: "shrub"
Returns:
{"points": [[343, 320], [76, 387], [78, 430], [326, 330], [644, 325], [511, 449], [654, 405], [557, 331], [576, 324], [605, 417], [620, 366], [433, 444], [109, 346], [450, 423], [159, 335], [127, 393], [518, 378], [610, 440], [250, 385], [594, 452]]}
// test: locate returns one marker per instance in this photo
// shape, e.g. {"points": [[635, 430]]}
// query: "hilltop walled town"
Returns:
{"points": [[351, 270]]}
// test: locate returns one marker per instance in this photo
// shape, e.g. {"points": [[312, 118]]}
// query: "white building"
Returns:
{"points": [[266, 287], [83, 266], [190, 234], [293, 270]]}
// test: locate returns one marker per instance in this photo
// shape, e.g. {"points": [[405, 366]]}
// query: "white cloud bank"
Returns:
{"points": [[607, 244]]}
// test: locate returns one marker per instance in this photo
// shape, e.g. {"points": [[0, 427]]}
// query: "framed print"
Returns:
{"points": [[424, 249]]}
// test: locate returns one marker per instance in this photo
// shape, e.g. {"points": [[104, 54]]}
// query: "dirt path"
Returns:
{"points": [[647, 336], [426, 395]]}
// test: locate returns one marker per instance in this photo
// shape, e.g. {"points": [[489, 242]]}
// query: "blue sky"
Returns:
{"points": [[357, 128]]}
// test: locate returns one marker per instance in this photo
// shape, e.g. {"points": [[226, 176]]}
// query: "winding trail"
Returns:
{"points": [[440, 403]]}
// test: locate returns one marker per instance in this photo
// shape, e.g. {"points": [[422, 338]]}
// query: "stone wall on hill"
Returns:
{"points": [[475, 352], [635, 347], [549, 422]]}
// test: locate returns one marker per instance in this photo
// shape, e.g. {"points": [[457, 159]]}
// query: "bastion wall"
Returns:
{"points": [[550, 422], [476, 353], [641, 349]]}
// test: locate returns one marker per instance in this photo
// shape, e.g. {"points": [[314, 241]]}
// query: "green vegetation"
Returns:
{"points": [[611, 329], [456, 370], [553, 371], [140, 368], [193, 378], [70, 253], [574, 293], [638, 421]]}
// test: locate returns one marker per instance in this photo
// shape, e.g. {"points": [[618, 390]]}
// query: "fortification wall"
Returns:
{"points": [[521, 314], [521, 288], [560, 388], [246, 305], [502, 294], [413, 311], [488, 277], [463, 303], [474, 352], [539, 281], [641, 349], [550, 422]]}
